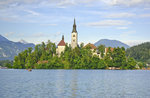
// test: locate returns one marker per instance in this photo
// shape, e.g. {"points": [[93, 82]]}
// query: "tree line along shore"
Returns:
{"points": [[44, 57]]}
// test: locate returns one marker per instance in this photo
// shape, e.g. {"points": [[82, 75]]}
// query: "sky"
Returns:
{"points": [[37, 21]]}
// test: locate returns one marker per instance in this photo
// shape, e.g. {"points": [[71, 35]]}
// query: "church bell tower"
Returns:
{"points": [[74, 36]]}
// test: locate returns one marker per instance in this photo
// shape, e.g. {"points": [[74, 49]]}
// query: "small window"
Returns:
{"points": [[73, 35], [73, 40]]}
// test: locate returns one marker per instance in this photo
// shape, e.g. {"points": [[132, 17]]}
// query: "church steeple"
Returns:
{"points": [[62, 37], [74, 36], [74, 27]]}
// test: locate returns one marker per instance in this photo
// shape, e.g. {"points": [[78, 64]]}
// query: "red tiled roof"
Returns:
{"points": [[111, 49], [92, 46], [61, 43]]}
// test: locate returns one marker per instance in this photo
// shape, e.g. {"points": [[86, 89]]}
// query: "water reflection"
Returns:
{"points": [[74, 84], [63, 81], [60, 83]]}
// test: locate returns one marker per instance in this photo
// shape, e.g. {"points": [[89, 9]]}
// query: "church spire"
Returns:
{"points": [[74, 21], [74, 26], [62, 37]]}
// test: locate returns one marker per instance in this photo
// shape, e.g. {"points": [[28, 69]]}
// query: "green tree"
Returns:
{"points": [[101, 50], [118, 57], [131, 63]]}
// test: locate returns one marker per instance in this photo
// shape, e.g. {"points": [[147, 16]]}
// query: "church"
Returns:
{"points": [[74, 41]]}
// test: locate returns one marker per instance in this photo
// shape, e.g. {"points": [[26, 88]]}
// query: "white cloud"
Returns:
{"points": [[134, 42], [122, 28], [110, 23], [57, 34], [64, 3], [121, 15], [9, 34], [129, 3], [128, 33], [5, 2], [47, 24], [145, 15], [44, 35], [40, 34], [32, 12]]}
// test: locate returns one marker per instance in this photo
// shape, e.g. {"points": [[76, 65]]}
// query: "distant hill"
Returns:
{"points": [[140, 52], [111, 43], [8, 49]]}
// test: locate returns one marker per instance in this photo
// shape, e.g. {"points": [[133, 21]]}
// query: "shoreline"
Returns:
{"points": [[79, 69]]}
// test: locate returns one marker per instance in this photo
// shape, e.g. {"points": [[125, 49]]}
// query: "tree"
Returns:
{"points": [[101, 64], [118, 57], [131, 63], [101, 50], [141, 65], [81, 45], [77, 58], [30, 50], [16, 63], [140, 52]]}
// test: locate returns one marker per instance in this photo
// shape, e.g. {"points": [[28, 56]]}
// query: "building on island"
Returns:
{"points": [[94, 50], [74, 36], [74, 43], [60, 47], [91, 46]]}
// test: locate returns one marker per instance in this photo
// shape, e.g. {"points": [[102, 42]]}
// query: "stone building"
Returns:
{"points": [[93, 48], [74, 41], [60, 47], [74, 36]]}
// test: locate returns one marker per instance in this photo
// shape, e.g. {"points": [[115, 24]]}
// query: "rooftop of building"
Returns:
{"points": [[62, 42], [111, 49], [92, 46]]}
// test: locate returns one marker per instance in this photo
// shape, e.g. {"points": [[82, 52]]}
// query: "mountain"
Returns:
{"points": [[111, 43], [140, 52], [3, 39], [23, 41], [8, 49]]}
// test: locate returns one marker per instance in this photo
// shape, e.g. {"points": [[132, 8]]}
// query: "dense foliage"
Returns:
{"points": [[44, 57], [140, 52], [6, 63]]}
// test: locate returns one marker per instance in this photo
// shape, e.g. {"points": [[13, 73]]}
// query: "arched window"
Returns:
{"points": [[73, 35], [73, 40]]}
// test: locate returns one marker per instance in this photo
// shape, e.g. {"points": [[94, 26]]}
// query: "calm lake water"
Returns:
{"points": [[74, 83]]}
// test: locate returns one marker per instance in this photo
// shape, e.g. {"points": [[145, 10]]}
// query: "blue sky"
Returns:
{"points": [[40, 20]]}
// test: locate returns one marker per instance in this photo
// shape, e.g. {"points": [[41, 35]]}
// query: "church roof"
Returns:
{"points": [[92, 46], [62, 43]]}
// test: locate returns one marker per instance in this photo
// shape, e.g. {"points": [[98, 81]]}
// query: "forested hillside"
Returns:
{"points": [[140, 52]]}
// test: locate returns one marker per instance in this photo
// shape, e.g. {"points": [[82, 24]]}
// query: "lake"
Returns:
{"points": [[16, 83]]}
